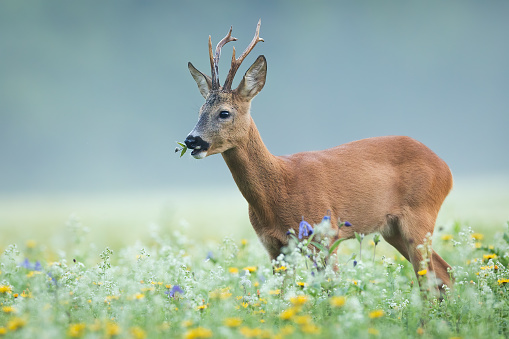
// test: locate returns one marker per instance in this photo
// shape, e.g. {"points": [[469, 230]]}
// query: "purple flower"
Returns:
{"points": [[305, 229], [34, 267], [354, 263], [327, 217], [347, 224], [175, 289]]}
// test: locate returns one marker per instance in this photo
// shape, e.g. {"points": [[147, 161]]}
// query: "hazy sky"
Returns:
{"points": [[93, 95]]}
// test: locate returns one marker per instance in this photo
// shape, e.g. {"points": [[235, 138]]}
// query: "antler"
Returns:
{"points": [[237, 62], [214, 60]]}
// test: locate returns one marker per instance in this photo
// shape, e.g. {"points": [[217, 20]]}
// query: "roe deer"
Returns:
{"points": [[393, 185]]}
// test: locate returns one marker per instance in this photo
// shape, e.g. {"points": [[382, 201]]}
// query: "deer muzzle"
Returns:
{"points": [[198, 145]]}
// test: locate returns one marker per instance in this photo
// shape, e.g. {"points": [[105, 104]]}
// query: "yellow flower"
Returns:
{"points": [[299, 300], [250, 269], [8, 309], [232, 322], [420, 331], [477, 245], [112, 329], [76, 330], [489, 256], [422, 272], [301, 283], [243, 242], [282, 268], [201, 307], [32, 273], [254, 332], [288, 314], [5, 289], [198, 332], [503, 281], [303, 319], [15, 323], [477, 236], [138, 332], [337, 301], [233, 270], [3, 330], [274, 292], [139, 296], [31, 243], [222, 294], [376, 314], [310, 329], [447, 237], [373, 331]]}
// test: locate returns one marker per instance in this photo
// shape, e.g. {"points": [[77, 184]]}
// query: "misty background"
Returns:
{"points": [[94, 95]]}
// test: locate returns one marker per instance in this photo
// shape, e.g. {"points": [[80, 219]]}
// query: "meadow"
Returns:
{"points": [[108, 271]]}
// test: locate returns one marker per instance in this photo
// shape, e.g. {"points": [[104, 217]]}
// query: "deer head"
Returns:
{"points": [[224, 118]]}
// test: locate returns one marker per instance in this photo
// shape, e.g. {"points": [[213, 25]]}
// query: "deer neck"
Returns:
{"points": [[257, 173]]}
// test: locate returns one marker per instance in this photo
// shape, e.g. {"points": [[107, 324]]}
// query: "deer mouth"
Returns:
{"points": [[199, 152]]}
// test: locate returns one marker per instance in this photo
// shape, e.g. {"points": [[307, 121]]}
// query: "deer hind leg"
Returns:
{"points": [[407, 232]]}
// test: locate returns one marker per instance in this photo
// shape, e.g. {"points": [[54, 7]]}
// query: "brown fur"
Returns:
{"points": [[394, 185]]}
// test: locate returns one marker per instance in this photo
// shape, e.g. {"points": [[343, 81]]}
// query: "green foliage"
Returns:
{"points": [[176, 287]]}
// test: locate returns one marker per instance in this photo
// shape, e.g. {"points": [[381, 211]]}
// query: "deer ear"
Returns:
{"points": [[203, 81], [254, 79]]}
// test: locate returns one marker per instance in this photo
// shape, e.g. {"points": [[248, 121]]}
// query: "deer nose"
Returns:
{"points": [[191, 142]]}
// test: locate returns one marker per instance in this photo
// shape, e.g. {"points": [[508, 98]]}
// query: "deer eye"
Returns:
{"points": [[224, 114]]}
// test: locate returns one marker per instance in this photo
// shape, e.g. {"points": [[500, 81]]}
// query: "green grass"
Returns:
{"points": [[81, 288]]}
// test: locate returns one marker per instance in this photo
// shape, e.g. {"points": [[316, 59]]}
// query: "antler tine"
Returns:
{"points": [[214, 59], [237, 62]]}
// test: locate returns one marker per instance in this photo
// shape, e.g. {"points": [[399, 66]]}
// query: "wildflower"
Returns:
{"points": [[489, 256], [198, 332], [232, 322], [138, 332], [254, 332], [347, 224], [201, 307], [373, 331], [299, 300], [3, 330], [477, 245], [503, 281], [8, 309], [446, 237], [76, 330], [32, 274], [139, 296], [15, 323], [233, 270], [274, 292], [31, 244], [112, 329], [174, 290], [300, 283], [288, 314], [376, 314], [222, 294], [477, 236], [337, 301], [305, 229], [5, 289], [243, 242], [281, 268], [303, 319], [251, 269], [420, 331], [422, 272], [310, 329]]}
